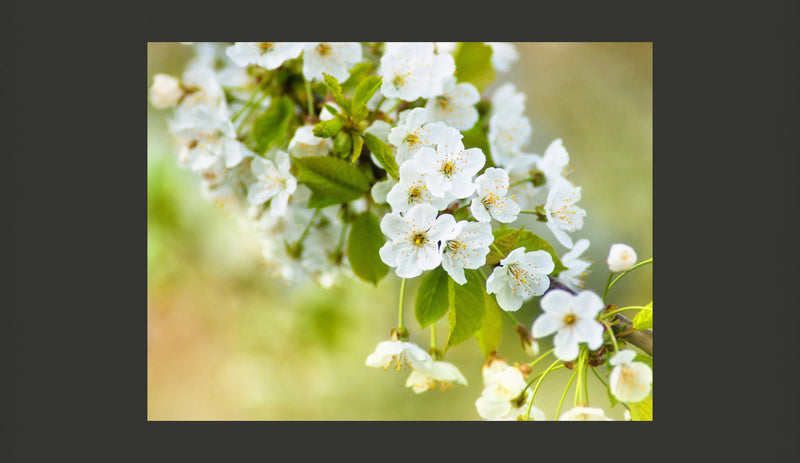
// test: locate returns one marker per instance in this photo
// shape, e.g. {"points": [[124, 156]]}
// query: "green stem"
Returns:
{"points": [[528, 212], [586, 382], [513, 318], [433, 335], [532, 364], [308, 228], [250, 111], [633, 307], [608, 285], [521, 394], [310, 98], [402, 294], [611, 333], [520, 182], [564, 394], [640, 264], [579, 384], [536, 389]]}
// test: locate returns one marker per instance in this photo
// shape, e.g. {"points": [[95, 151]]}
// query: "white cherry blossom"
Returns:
{"points": [[584, 414], [621, 257], [576, 267], [502, 387], [573, 319], [450, 167], [554, 162], [629, 381], [272, 182], [269, 55], [411, 190], [491, 188], [306, 144], [400, 355], [413, 244], [412, 70], [165, 92], [465, 246], [562, 213], [520, 276], [435, 374], [503, 54], [455, 106], [334, 58], [414, 131], [204, 136]]}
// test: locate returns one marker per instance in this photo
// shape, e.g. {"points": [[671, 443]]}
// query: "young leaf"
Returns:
{"points": [[331, 177], [327, 129], [643, 320], [365, 239], [642, 411], [491, 332], [342, 144], [357, 74], [269, 127], [383, 153], [644, 358], [336, 91], [474, 64], [358, 144], [432, 297], [467, 308], [364, 91]]}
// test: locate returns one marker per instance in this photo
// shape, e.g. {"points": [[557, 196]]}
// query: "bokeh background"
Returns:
{"points": [[228, 342]]}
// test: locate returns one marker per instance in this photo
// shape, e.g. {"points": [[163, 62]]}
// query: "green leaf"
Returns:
{"points": [[357, 74], [365, 239], [330, 177], [271, 126], [642, 411], [474, 64], [467, 308], [327, 129], [336, 91], [491, 332], [643, 320], [364, 91], [318, 201], [358, 144], [509, 239], [476, 137], [383, 153], [432, 297], [644, 358], [332, 109]]}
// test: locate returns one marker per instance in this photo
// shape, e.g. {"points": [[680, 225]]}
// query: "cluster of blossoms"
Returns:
{"points": [[270, 131]]}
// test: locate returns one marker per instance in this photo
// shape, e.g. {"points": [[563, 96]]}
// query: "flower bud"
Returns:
{"points": [[399, 334], [529, 345], [621, 257], [166, 91]]}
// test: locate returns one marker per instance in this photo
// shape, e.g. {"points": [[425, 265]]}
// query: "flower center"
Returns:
{"points": [[414, 194], [412, 139], [192, 144], [448, 168], [265, 47], [454, 246], [419, 238], [570, 319], [399, 81], [490, 200], [323, 49], [443, 102]]}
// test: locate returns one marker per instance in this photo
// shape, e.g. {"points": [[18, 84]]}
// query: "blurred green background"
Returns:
{"points": [[228, 342]]}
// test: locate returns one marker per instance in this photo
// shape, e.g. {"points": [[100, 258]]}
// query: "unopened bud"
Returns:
{"points": [[537, 177], [621, 257], [399, 334], [529, 344], [166, 91], [525, 369]]}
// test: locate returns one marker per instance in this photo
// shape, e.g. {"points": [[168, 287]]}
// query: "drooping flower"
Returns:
{"points": [[500, 399], [455, 106], [334, 58], [305, 143], [573, 319], [630, 381], [165, 92], [584, 414], [491, 188], [576, 267], [415, 132], [269, 55], [503, 54], [412, 70], [273, 182], [562, 213], [520, 276], [436, 373], [554, 162], [621, 257], [400, 355], [413, 244], [412, 189], [465, 246], [450, 167]]}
